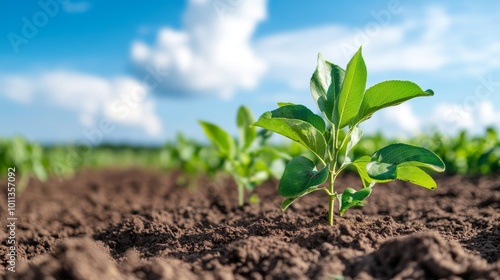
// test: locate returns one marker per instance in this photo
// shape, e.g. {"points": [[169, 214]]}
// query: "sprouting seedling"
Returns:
{"points": [[28, 158], [242, 156], [191, 157], [341, 97]]}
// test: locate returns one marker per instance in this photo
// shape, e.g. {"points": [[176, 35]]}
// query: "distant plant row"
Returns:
{"points": [[462, 154]]}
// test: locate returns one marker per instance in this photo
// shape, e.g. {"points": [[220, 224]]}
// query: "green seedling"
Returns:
{"points": [[345, 103], [191, 157], [243, 157], [27, 158]]}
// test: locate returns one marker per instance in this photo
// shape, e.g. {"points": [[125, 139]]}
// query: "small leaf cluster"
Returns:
{"points": [[26, 157], [193, 158], [345, 103], [465, 153], [245, 157]]}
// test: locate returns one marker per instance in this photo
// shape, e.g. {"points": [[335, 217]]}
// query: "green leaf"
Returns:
{"points": [[326, 83], [351, 95], [300, 112], [360, 165], [39, 171], [281, 104], [416, 176], [356, 135], [386, 94], [350, 197], [403, 162], [299, 124], [381, 171], [289, 200], [299, 176], [222, 139], [400, 153], [247, 134]]}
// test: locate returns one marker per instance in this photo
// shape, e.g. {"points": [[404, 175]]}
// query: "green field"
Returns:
{"points": [[463, 154]]}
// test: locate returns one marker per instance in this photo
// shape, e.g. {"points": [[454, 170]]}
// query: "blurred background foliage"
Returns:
{"points": [[462, 153]]}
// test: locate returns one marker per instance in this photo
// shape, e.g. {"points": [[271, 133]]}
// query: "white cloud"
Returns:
{"points": [[450, 118], [402, 118], [16, 88], [397, 121], [291, 55], [487, 114], [121, 100], [212, 54], [432, 42]]}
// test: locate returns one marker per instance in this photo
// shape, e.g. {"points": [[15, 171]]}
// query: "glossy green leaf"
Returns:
{"points": [[416, 176], [326, 83], [360, 165], [350, 197], [400, 153], [299, 124], [222, 139], [382, 171], [386, 94], [351, 95], [401, 161], [244, 120], [300, 112], [299, 176]]}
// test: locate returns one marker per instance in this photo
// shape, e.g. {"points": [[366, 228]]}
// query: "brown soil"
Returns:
{"points": [[138, 224]]}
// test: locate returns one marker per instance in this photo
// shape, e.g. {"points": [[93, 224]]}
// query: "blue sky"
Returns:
{"points": [[139, 73]]}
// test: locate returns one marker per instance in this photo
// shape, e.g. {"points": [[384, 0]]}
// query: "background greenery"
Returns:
{"points": [[462, 154]]}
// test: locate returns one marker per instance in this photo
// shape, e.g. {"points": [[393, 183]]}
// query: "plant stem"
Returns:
{"points": [[331, 197], [330, 210], [333, 175], [241, 194]]}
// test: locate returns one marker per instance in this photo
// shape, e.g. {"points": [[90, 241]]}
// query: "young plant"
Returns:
{"points": [[243, 156], [341, 97], [27, 158], [191, 157]]}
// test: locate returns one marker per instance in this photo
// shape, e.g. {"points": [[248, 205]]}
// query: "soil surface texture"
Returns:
{"points": [[141, 224]]}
